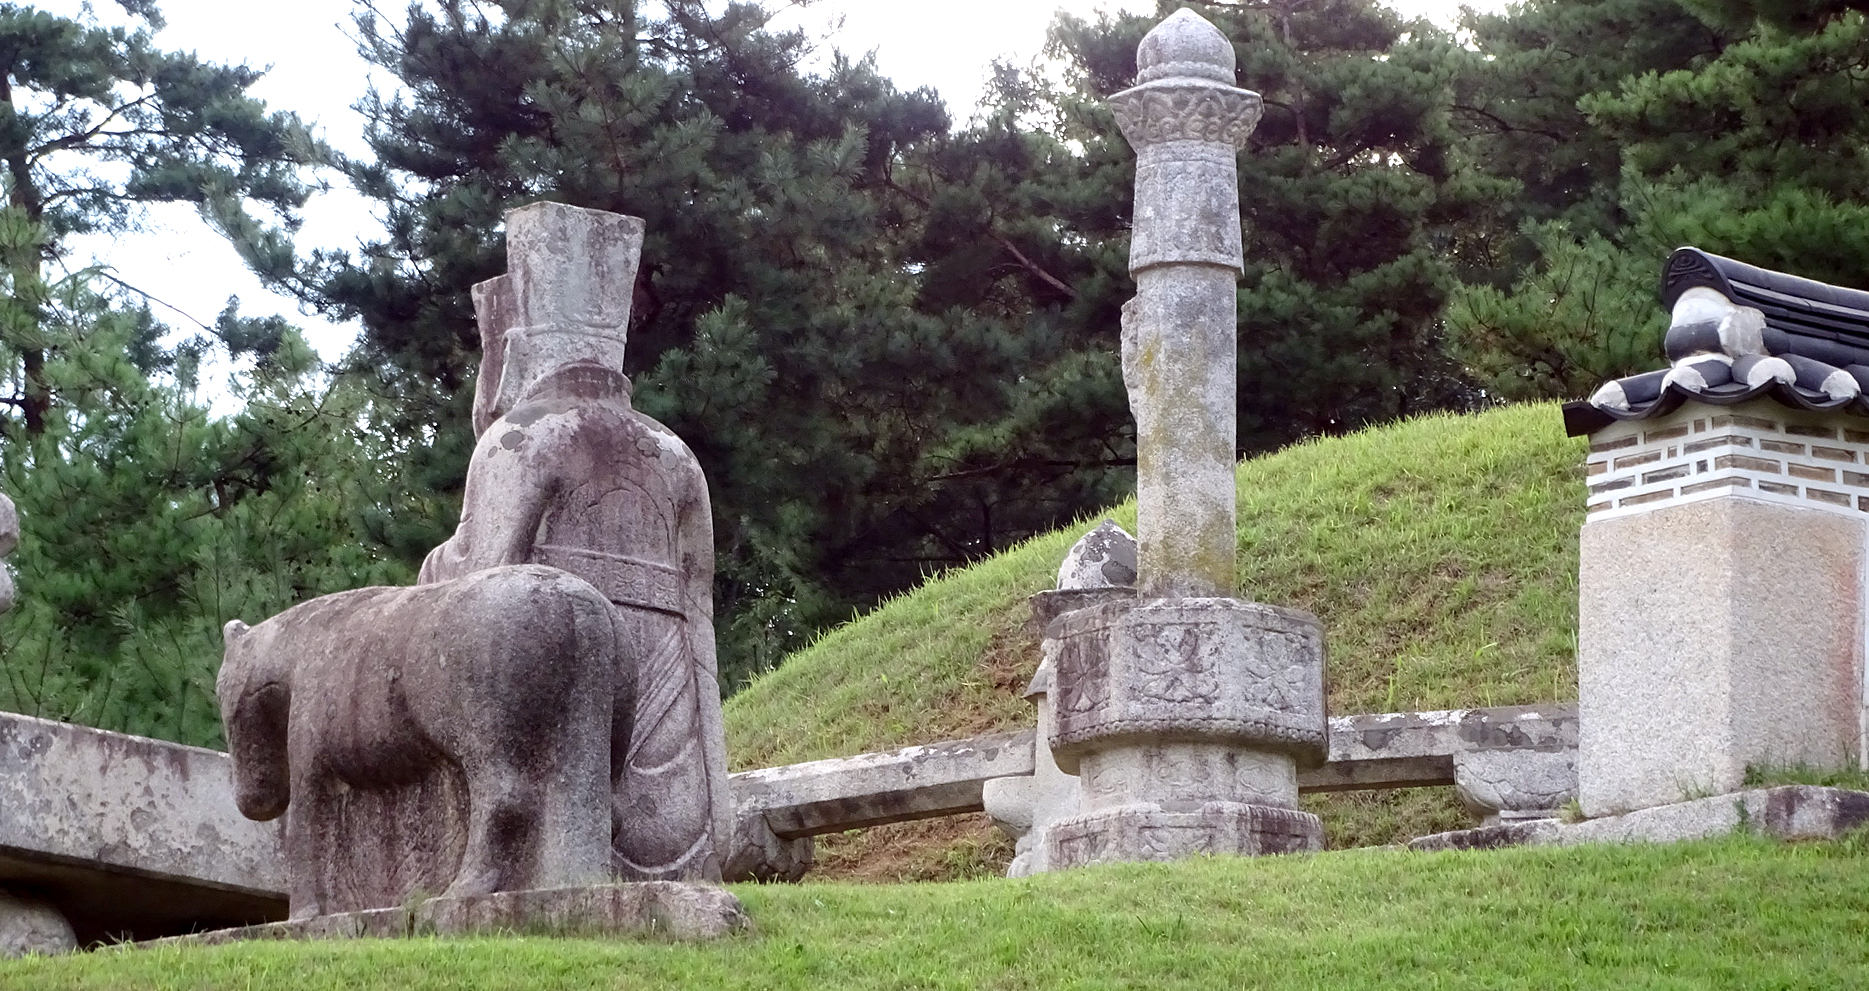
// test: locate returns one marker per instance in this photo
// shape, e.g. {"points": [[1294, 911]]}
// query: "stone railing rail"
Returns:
{"points": [[132, 837], [1385, 750]]}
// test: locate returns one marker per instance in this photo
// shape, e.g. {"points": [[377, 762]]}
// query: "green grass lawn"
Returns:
{"points": [[1440, 554], [1739, 912]]}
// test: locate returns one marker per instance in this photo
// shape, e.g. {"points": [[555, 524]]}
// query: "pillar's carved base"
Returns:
{"points": [[1207, 670], [1140, 833]]}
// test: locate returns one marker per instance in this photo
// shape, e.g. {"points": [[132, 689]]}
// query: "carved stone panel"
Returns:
{"points": [[1216, 670], [1132, 834]]}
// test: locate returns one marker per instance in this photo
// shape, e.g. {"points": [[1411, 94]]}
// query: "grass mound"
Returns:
{"points": [[1739, 912], [1440, 554]]}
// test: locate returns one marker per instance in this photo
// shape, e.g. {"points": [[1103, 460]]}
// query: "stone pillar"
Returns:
{"points": [[1720, 618], [1185, 712], [1187, 122], [9, 539]]}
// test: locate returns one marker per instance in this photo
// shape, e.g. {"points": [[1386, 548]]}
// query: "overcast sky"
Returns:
{"points": [[316, 72]]}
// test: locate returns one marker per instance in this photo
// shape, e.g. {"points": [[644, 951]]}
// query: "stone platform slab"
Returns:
{"points": [[1789, 812], [127, 837], [668, 909]]}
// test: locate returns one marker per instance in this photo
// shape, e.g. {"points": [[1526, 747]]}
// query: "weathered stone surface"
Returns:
{"points": [[130, 837], [1525, 832], [1715, 635], [30, 926], [1132, 834], [1025, 807], [1187, 123], [453, 737], [661, 908], [9, 539], [1185, 720], [1444, 732], [646, 908], [493, 313], [1516, 782], [1213, 670], [1103, 558], [824, 796], [1179, 775], [1047, 606], [568, 474], [1414, 749], [1790, 812], [759, 854]]}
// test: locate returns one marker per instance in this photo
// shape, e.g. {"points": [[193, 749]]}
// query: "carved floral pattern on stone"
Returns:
{"points": [[1083, 847], [1178, 666], [1188, 111], [1083, 681], [1168, 842], [1279, 672]]}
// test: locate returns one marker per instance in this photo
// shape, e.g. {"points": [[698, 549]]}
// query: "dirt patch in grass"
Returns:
{"points": [[955, 848]]}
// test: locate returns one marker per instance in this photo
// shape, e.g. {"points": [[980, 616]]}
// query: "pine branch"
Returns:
{"points": [[79, 138], [152, 297], [1024, 261]]}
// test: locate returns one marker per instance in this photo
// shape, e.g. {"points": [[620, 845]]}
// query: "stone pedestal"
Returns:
{"points": [[1186, 721], [1518, 783], [1027, 807], [1720, 621]]}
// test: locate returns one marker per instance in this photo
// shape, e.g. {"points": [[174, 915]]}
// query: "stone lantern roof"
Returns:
{"points": [[1739, 333]]}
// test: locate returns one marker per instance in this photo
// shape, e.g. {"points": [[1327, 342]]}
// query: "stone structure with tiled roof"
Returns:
{"points": [[1739, 333], [1720, 585]]}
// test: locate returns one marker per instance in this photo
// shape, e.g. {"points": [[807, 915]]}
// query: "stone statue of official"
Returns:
{"points": [[567, 474]]}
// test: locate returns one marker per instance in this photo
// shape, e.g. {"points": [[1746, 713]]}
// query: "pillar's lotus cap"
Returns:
{"points": [[1185, 44]]}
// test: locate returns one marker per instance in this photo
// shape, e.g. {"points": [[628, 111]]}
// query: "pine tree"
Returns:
{"points": [[1774, 132], [1725, 124], [1352, 191], [147, 522]]}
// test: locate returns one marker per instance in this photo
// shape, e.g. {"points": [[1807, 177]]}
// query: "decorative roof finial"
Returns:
{"points": [[1185, 44]]}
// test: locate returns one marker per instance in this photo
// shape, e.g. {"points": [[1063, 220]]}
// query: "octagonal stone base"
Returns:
{"points": [[1134, 833], [1181, 777], [1210, 670]]}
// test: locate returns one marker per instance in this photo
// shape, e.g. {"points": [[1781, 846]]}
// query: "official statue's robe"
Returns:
{"points": [[573, 477]]}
